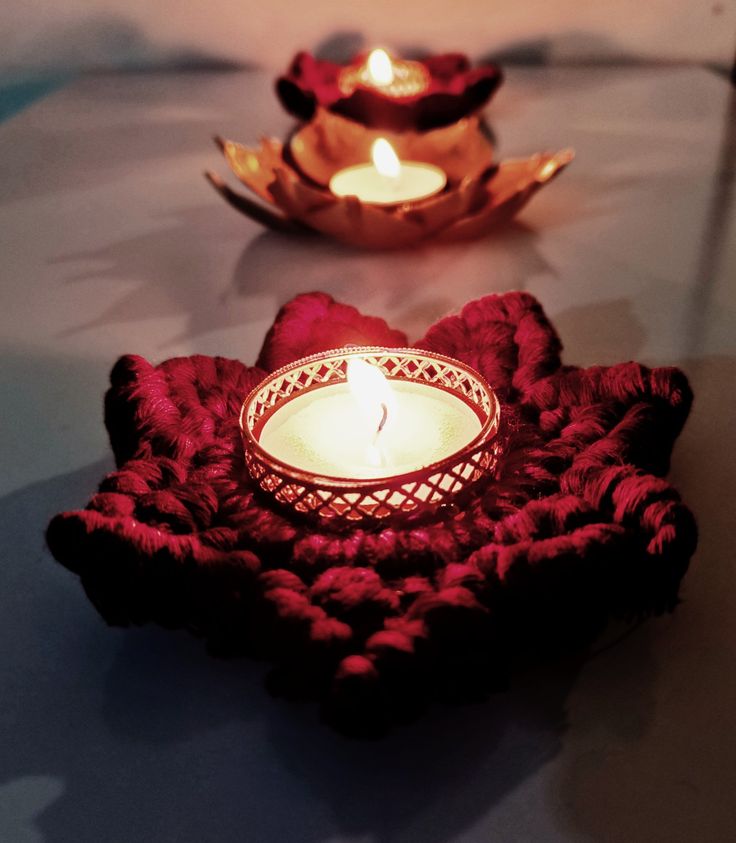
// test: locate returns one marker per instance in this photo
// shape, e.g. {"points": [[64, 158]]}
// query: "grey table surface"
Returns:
{"points": [[112, 242]]}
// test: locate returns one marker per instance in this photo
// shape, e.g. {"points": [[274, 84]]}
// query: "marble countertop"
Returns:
{"points": [[112, 242]]}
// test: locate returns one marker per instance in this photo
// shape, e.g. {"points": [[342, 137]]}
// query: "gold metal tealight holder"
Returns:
{"points": [[338, 502]]}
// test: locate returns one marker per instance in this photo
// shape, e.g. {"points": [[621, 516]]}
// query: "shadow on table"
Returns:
{"points": [[427, 781], [178, 268], [600, 333], [413, 285], [669, 779], [139, 735], [31, 172], [173, 268]]}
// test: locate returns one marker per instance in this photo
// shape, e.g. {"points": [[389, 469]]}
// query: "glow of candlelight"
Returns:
{"points": [[385, 159], [380, 68], [369, 386]]}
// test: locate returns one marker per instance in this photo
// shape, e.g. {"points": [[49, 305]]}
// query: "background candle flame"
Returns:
{"points": [[385, 160], [380, 68]]}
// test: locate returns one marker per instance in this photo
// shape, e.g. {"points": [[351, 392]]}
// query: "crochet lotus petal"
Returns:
{"points": [[578, 527], [316, 322]]}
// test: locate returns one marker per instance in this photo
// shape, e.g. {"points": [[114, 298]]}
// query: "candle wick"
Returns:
{"points": [[384, 418], [375, 453]]}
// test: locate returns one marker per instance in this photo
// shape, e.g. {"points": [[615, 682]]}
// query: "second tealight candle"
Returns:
{"points": [[388, 181]]}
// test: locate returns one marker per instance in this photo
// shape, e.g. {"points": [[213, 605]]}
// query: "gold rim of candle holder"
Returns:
{"points": [[410, 78], [343, 502]]}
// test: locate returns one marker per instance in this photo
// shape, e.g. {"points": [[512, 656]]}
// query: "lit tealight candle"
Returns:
{"points": [[394, 78], [386, 180], [369, 428], [361, 436]]}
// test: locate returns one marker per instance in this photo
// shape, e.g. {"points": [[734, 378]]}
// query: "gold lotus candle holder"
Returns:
{"points": [[293, 182], [303, 444]]}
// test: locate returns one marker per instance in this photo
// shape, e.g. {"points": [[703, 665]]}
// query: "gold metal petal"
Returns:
{"points": [[366, 226], [252, 209], [507, 191], [469, 208], [256, 168]]}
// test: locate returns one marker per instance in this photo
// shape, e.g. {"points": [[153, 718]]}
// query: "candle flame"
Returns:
{"points": [[380, 68], [371, 388], [367, 382], [385, 160]]}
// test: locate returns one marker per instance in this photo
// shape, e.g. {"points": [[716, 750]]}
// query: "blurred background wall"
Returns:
{"points": [[100, 34]]}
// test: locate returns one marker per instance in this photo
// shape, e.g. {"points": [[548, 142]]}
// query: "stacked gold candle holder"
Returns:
{"points": [[429, 114]]}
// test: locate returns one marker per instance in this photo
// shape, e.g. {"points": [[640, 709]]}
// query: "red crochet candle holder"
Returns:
{"points": [[349, 503], [577, 527], [450, 89]]}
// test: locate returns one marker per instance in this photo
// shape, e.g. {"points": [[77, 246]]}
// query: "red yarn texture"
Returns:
{"points": [[456, 89], [579, 526]]}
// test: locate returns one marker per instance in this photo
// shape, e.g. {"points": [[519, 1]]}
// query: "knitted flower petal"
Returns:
{"points": [[508, 339], [315, 322]]}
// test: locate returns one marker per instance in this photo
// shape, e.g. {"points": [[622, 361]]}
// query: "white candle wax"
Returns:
{"points": [[415, 181], [327, 432], [386, 180]]}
